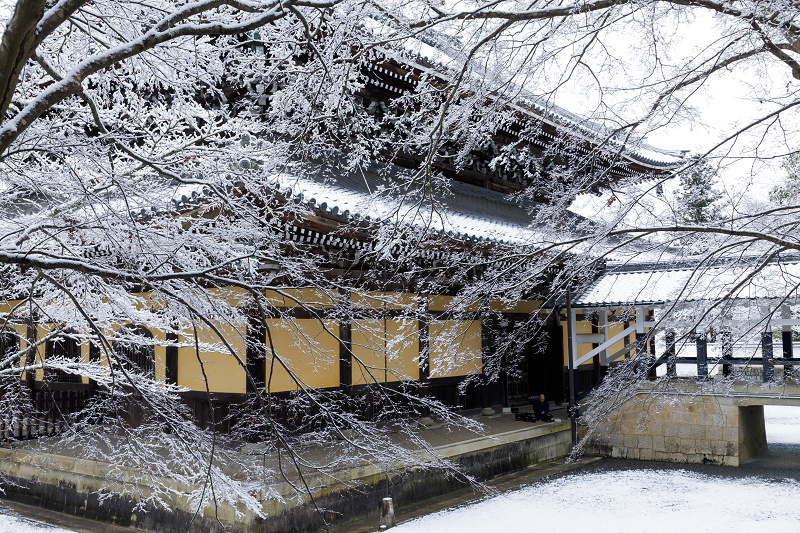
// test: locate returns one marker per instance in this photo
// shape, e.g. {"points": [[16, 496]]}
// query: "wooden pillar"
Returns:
{"points": [[651, 359], [726, 340], [255, 356], [786, 341], [768, 371], [597, 373], [345, 345], [424, 352], [641, 343], [602, 324], [171, 363], [702, 356], [572, 350], [669, 353]]}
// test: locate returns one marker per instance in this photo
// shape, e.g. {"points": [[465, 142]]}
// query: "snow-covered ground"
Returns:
{"points": [[642, 500], [783, 424], [11, 523], [645, 500]]}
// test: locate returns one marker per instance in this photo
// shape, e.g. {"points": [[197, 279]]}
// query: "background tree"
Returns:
{"points": [[787, 192], [698, 200]]}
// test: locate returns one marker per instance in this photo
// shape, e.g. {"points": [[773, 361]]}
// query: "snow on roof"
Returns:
{"points": [[462, 211], [467, 212], [659, 286]]}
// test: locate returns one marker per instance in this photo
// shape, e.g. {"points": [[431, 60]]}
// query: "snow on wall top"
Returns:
{"points": [[658, 286]]}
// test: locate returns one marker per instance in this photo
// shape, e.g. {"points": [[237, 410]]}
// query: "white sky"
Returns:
{"points": [[726, 101]]}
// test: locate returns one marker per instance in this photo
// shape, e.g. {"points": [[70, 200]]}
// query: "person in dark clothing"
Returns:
{"points": [[541, 409]]}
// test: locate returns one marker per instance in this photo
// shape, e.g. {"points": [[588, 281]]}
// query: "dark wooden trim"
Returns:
{"points": [[346, 349], [171, 362], [255, 354], [424, 340], [46, 386], [214, 397]]}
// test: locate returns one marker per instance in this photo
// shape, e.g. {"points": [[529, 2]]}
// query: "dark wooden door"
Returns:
{"points": [[546, 366]]}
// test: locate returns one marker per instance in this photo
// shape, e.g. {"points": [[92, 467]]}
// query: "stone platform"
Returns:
{"points": [[67, 483]]}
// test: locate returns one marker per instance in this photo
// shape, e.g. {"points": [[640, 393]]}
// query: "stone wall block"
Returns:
{"points": [[703, 418], [687, 446], [719, 421], [698, 432], [659, 444], [732, 448], [661, 456], [719, 447], [730, 460], [619, 440], [672, 444], [713, 433], [730, 434], [690, 418], [703, 447]]}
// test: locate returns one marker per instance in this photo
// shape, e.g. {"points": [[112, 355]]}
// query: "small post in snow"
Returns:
{"points": [[387, 514]]}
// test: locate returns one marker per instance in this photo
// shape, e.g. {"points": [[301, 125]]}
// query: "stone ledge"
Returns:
{"points": [[56, 480]]}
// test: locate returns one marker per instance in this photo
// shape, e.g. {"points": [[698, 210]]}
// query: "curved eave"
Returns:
{"points": [[560, 120]]}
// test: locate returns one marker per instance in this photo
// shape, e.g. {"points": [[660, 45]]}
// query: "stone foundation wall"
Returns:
{"points": [[74, 486], [683, 428]]}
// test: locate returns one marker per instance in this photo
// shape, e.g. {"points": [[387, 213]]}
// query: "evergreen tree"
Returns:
{"points": [[698, 200], [788, 191]]}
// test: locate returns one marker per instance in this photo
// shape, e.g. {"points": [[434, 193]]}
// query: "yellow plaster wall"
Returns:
{"points": [[295, 297], [307, 349], [384, 300], [615, 329], [583, 327], [223, 373], [444, 303], [6, 306], [455, 347], [160, 354], [521, 306], [234, 296], [384, 350]]}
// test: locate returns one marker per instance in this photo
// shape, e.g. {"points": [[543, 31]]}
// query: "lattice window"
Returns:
{"points": [[135, 356], [66, 347]]}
